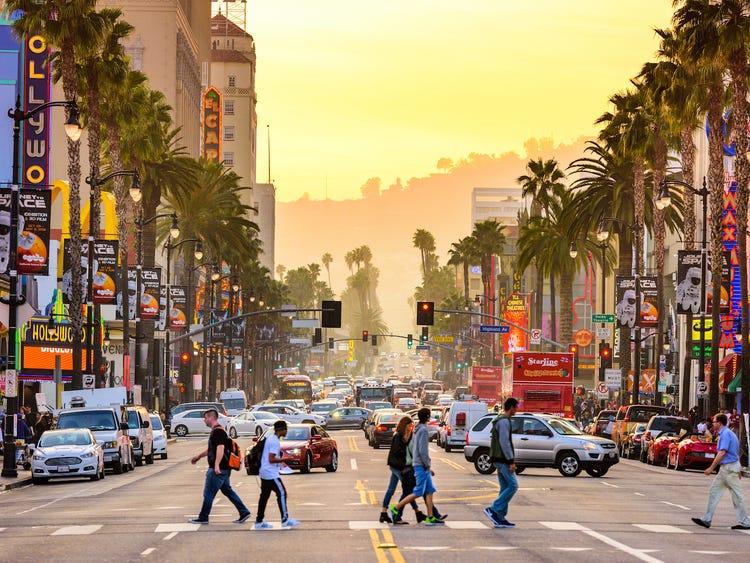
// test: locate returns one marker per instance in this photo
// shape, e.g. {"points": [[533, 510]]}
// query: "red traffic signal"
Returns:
{"points": [[425, 313], [365, 335], [573, 349], [185, 357]]}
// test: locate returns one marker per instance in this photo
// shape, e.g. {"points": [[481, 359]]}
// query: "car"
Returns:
{"points": [[347, 417], [234, 400], [630, 415], [323, 407], [110, 430], [337, 396], [160, 436], [657, 451], [67, 453], [305, 446], [191, 422], [692, 452], [458, 419], [250, 423], [370, 422], [377, 405], [295, 403], [444, 401], [383, 427], [543, 441], [429, 398], [633, 442], [406, 403], [462, 393], [601, 421], [658, 426], [141, 434], [205, 405], [290, 414]]}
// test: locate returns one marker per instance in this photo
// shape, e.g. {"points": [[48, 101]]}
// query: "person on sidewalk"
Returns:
{"points": [[270, 480], [422, 471], [399, 463], [217, 476], [728, 460], [503, 456]]}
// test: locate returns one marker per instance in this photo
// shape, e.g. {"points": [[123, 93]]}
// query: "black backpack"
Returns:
{"points": [[254, 458]]}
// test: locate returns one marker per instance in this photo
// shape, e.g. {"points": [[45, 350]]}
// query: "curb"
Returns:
{"points": [[171, 440], [16, 484]]}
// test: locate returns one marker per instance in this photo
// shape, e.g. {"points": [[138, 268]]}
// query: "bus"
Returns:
{"points": [[296, 387]]}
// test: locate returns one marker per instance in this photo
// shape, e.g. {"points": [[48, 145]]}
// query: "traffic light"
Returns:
{"points": [[605, 355], [425, 335], [573, 349], [330, 343], [331, 317], [365, 335], [374, 339], [409, 341], [317, 336], [185, 358], [425, 313], [459, 365]]}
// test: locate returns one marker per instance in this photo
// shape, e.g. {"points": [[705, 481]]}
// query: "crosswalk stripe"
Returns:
{"points": [[77, 530], [496, 547], [367, 525], [465, 525], [148, 551], [563, 526], [572, 548], [662, 529], [177, 527]]}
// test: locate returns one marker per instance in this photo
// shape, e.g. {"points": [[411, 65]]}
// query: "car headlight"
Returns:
{"points": [[38, 457], [88, 454], [589, 446], [112, 444], [294, 451]]}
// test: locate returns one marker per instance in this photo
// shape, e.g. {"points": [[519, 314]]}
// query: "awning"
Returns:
{"points": [[734, 386]]}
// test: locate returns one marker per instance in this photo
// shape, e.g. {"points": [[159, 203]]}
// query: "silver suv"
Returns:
{"points": [[542, 440]]}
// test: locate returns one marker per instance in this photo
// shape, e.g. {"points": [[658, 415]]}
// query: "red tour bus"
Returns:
{"points": [[541, 381]]}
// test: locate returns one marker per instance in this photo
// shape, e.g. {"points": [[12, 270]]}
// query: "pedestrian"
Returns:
{"points": [[423, 472], [218, 473], [271, 481], [728, 477], [397, 462], [503, 456], [702, 427], [44, 424]]}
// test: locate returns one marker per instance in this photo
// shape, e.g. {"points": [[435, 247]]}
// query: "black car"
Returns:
{"points": [[382, 430]]}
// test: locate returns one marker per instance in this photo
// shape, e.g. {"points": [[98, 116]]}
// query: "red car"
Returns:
{"points": [[693, 452], [658, 449], [307, 446]]}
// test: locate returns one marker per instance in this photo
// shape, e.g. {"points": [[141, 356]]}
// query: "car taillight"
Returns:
{"points": [[432, 423], [636, 438], [381, 428], [448, 430], [467, 438]]}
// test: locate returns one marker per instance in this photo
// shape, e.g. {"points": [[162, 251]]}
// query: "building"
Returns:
{"points": [[265, 199]]}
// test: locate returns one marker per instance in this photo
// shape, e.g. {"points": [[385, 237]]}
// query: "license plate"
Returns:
{"points": [[107, 458], [710, 456], [63, 468]]}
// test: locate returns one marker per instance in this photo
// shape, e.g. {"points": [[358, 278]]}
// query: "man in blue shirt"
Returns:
{"points": [[728, 477]]}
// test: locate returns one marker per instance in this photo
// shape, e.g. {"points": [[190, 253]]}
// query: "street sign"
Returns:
{"points": [[603, 332], [88, 381], [11, 383], [602, 390], [702, 389], [536, 336], [696, 351], [603, 318], [501, 329], [443, 339], [303, 341], [612, 378], [425, 347], [305, 323]]}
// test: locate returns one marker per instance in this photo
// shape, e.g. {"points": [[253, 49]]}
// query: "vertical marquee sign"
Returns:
{"points": [[36, 83], [212, 124]]}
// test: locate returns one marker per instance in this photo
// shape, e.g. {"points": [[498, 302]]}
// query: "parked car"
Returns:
{"points": [[383, 426], [543, 441], [67, 453], [347, 417], [160, 436], [658, 426], [291, 414], [191, 422], [250, 423], [460, 417], [692, 452], [631, 447], [141, 434], [600, 422], [305, 447], [657, 451], [205, 405], [630, 415]]}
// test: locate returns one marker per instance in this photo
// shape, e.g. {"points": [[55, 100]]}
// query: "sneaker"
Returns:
{"points": [[262, 526], [507, 524], [432, 521], [385, 519], [492, 517], [701, 522], [290, 523], [197, 521], [420, 516], [242, 519], [394, 511], [740, 527], [441, 517]]}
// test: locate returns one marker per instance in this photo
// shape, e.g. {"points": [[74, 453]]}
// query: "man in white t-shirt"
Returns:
{"points": [[270, 481]]}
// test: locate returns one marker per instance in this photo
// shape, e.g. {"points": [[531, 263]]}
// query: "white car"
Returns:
{"points": [[290, 414], [249, 423], [337, 396], [191, 422], [67, 453], [160, 436]]}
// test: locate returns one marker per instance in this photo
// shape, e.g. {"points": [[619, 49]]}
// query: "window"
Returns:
{"points": [[194, 414], [532, 427], [228, 107], [229, 133], [229, 158], [232, 80]]}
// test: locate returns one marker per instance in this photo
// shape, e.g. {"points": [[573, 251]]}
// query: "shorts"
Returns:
{"points": [[424, 484]]}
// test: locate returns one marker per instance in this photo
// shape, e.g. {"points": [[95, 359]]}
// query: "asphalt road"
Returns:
{"points": [[634, 513]]}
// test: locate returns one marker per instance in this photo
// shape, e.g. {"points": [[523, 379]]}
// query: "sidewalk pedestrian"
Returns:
{"points": [[217, 475], [503, 456], [397, 463], [423, 472], [728, 477], [271, 481]]}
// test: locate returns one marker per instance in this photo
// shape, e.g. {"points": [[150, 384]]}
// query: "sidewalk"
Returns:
{"points": [[23, 479]]}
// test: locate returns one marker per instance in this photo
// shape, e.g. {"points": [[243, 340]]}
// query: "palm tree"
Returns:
{"points": [[490, 241], [326, 260], [280, 270], [464, 252], [425, 242]]}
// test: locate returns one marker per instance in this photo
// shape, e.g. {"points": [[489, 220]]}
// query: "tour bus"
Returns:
{"points": [[296, 387]]}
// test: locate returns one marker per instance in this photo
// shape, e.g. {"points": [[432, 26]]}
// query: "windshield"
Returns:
{"points": [[51, 439], [297, 434], [156, 423], [133, 422], [643, 414], [563, 427], [323, 407], [389, 418], [372, 393], [93, 420], [234, 404], [378, 405], [671, 425]]}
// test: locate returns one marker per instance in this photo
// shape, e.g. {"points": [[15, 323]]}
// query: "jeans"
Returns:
{"points": [[214, 484], [266, 487], [508, 488], [728, 477], [396, 476]]}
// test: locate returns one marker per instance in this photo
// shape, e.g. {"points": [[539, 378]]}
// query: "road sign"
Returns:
{"points": [[301, 340], [501, 329], [88, 381], [443, 339], [603, 332], [702, 389], [602, 390], [612, 378], [696, 351], [11, 383], [425, 347], [604, 318], [536, 336]]}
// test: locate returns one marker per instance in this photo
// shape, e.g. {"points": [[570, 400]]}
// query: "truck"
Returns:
{"points": [[541, 381], [486, 383]]}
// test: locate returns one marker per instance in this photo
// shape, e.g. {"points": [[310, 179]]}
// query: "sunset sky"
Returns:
{"points": [[356, 89]]}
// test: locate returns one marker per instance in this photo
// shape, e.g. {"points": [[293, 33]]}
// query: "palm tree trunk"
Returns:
{"points": [[625, 258], [566, 307], [687, 155], [660, 232], [466, 282], [539, 303], [94, 129], [639, 200], [553, 310]]}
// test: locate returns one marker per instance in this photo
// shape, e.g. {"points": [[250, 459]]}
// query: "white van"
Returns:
{"points": [[461, 416], [234, 401]]}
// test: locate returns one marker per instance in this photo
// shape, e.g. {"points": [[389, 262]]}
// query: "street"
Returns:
{"points": [[634, 513]]}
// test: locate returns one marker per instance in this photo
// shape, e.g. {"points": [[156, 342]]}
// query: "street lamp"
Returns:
{"points": [[73, 131], [573, 251], [174, 229], [198, 251], [215, 273]]}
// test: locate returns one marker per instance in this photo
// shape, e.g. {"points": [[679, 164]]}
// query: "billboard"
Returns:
{"points": [[150, 293], [32, 256], [36, 85], [39, 347], [515, 312], [106, 278], [689, 281], [542, 367], [178, 307], [649, 302], [625, 310], [212, 124]]}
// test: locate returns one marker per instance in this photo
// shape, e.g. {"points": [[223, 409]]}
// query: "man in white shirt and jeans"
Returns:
{"points": [[270, 480]]}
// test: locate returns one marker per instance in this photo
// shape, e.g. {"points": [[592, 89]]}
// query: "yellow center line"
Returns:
{"points": [[394, 551], [353, 446], [379, 553], [373, 500], [453, 464], [362, 492]]}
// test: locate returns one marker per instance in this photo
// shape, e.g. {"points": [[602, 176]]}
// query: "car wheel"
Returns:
{"points": [[150, 457], [232, 432], [164, 456], [39, 480], [520, 469], [334, 465], [483, 463], [95, 477], [258, 431], [181, 430], [307, 466], [118, 468], [568, 464], [139, 461], [597, 471], [448, 447]]}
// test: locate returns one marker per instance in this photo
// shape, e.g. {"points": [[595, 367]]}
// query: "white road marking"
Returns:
{"points": [[745, 532], [45, 505], [572, 548], [675, 505], [123, 509], [496, 547], [3, 529], [177, 527], [170, 535], [77, 530], [711, 552], [639, 494], [610, 485], [465, 525], [433, 449], [168, 507], [575, 526], [367, 525], [148, 551], [563, 526], [312, 504], [353, 463], [662, 529], [428, 548]]}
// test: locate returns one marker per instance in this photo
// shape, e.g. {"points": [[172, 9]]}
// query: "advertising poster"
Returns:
{"points": [[161, 322], [106, 271], [688, 282], [67, 277], [515, 312], [150, 293], [625, 310], [726, 284], [131, 289], [178, 307], [649, 309], [33, 231]]}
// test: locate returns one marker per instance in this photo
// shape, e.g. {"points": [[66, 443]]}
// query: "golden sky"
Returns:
{"points": [[360, 88]]}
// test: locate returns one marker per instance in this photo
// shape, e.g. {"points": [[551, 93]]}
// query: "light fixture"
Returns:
{"points": [[602, 233], [215, 274], [195, 352], [106, 336], [252, 297], [573, 251], [174, 230], [261, 303], [198, 251], [235, 284], [135, 188], [663, 201], [73, 124]]}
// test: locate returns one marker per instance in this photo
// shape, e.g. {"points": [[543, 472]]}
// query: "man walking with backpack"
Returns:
{"points": [[503, 456], [270, 480], [217, 476]]}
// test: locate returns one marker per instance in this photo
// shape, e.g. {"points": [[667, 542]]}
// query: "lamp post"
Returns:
{"points": [[663, 202], [91, 316], [216, 278], [73, 131]]}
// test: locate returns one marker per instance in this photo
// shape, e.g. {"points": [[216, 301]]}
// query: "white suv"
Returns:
{"points": [[292, 415], [541, 440]]}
